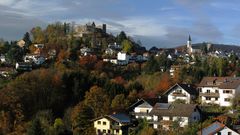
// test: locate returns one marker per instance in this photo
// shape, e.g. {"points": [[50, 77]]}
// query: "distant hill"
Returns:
{"points": [[222, 47]]}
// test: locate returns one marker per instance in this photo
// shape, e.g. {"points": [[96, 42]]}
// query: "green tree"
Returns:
{"points": [[58, 125], [35, 128], [127, 46], [27, 39], [121, 37]]}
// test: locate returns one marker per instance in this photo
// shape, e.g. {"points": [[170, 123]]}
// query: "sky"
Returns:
{"points": [[160, 23]]}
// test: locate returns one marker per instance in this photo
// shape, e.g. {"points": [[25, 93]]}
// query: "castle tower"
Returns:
{"points": [[104, 28]]}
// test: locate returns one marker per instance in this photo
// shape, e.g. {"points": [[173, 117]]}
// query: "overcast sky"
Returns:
{"points": [[161, 23]]}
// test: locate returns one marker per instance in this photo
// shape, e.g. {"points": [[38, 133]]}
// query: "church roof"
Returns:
{"points": [[189, 38]]}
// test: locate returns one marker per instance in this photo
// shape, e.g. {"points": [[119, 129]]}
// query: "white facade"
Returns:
{"points": [[104, 126], [122, 58], [215, 95], [183, 120], [142, 111], [37, 59], [179, 93], [227, 131]]}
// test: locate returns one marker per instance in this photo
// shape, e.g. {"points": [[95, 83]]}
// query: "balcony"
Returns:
{"points": [[211, 94], [140, 113], [178, 94], [115, 127]]}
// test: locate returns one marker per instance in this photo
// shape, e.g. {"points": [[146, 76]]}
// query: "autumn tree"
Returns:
{"points": [[38, 35], [164, 84], [80, 117], [119, 102], [97, 100]]}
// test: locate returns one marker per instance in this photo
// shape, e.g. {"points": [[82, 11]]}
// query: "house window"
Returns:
{"points": [[109, 131], [216, 99], [216, 91], [104, 130], [99, 122], [208, 91], [227, 99], [227, 91], [200, 90], [99, 131], [229, 133], [178, 91], [194, 118], [208, 98], [117, 130], [104, 123]]}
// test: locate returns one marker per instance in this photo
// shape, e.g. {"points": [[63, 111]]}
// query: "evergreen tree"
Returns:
{"points": [[35, 128], [27, 40]]}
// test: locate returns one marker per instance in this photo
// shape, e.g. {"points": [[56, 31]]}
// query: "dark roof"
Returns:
{"points": [[187, 87], [183, 110], [150, 101], [119, 117], [212, 129], [197, 46], [221, 82]]}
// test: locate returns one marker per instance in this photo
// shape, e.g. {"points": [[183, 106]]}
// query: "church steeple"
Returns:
{"points": [[189, 44], [189, 38]]}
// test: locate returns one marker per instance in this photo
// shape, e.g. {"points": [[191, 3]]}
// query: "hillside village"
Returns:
{"points": [[92, 82]]}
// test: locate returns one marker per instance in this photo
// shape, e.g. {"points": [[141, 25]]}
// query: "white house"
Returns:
{"points": [[36, 59], [217, 128], [164, 114], [86, 51], [23, 66], [110, 51], [218, 90], [174, 70], [184, 92], [2, 58], [40, 46], [142, 108], [115, 124], [123, 58]]}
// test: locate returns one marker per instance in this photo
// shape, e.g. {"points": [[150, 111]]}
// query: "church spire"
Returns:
{"points": [[189, 38]]}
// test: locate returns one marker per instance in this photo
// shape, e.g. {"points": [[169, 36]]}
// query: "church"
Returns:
{"points": [[193, 49]]}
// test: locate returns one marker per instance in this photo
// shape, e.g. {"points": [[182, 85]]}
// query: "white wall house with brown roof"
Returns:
{"points": [[183, 92], [165, 114], [115, 124], [218, 90], [142, 108]]}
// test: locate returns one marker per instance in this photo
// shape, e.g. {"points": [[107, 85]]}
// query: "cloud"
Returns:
{"points": [[14, 25]]}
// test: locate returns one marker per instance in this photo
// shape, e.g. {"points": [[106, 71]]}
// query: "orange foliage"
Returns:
{"points": [[88, 61], [164, 84], [62, 55], [119, 80]]}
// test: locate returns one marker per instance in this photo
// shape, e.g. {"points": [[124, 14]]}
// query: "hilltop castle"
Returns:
{"points": [[88, 29]]}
